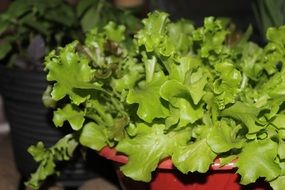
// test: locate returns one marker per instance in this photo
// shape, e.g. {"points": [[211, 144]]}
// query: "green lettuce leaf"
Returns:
{"points": [[154, 31], [278, 183], [257, 159], [70, 113], [196, 156], [150, 145], [79, 72], [182, 109], [196, 83], [148, 99], [223, 137], [180, 35], [274, 50], [211, 38], [245, 113], [93, 136], [47, 157], [184, 64], [114, 32], [227, 85]]}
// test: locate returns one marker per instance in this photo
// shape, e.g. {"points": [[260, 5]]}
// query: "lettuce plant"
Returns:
{"points": [[171, 90]]}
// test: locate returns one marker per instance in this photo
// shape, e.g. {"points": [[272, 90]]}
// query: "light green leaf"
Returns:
{"points": [[150, 68], [180, 34], [132, 74], [278, 183], [70, 113], [182, 107], [173, 89], [281, 150], [115, 32], [38, 151], [257, 159], [274, 50], [282, 166], [185, 64], [227, 159], [245, 113], [211, 38], [196, 83], [79, 73], [193, 87], [279, 121], [251, 54], [223, 137], [196, 156], [62, 150], [148, 98], [227, 85], [93, 136], [47, 99], [154, 30], [150, 145], [275, 85], [185, 112], [276, 35]]}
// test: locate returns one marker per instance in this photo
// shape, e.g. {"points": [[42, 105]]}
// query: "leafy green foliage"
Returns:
{"points": [[93, 136], [77, 67], [69, 113], [191, 97], [47, 157], [278, 183], [245, 113], [153, 143], [223, 137], [260, 155], [55, 23], [149, 100], [197, 156]]}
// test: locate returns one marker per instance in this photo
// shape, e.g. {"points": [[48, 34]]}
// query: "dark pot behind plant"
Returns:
{"points": [[30, 122]]}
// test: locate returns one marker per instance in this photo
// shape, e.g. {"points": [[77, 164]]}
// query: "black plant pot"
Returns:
{"points": [[30, 122], [28, 118]]}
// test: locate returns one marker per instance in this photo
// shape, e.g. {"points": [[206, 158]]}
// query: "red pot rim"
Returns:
{"points": [[112, 154]]}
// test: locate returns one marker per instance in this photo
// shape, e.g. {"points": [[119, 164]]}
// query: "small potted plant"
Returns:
{"points": [[171, 91], [28, 31]]}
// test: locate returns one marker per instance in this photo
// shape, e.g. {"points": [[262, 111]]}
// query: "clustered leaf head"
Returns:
{"points": [[180, 92]]}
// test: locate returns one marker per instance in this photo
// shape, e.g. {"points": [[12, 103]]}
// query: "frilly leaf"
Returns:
{"points": [[257, 159], [149, 100]]}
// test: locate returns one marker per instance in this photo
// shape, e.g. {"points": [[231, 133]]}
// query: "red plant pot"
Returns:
{"points": [[166, 177]]}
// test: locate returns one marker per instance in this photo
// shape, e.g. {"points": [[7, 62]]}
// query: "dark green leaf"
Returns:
{"points": [[5, 48]]}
